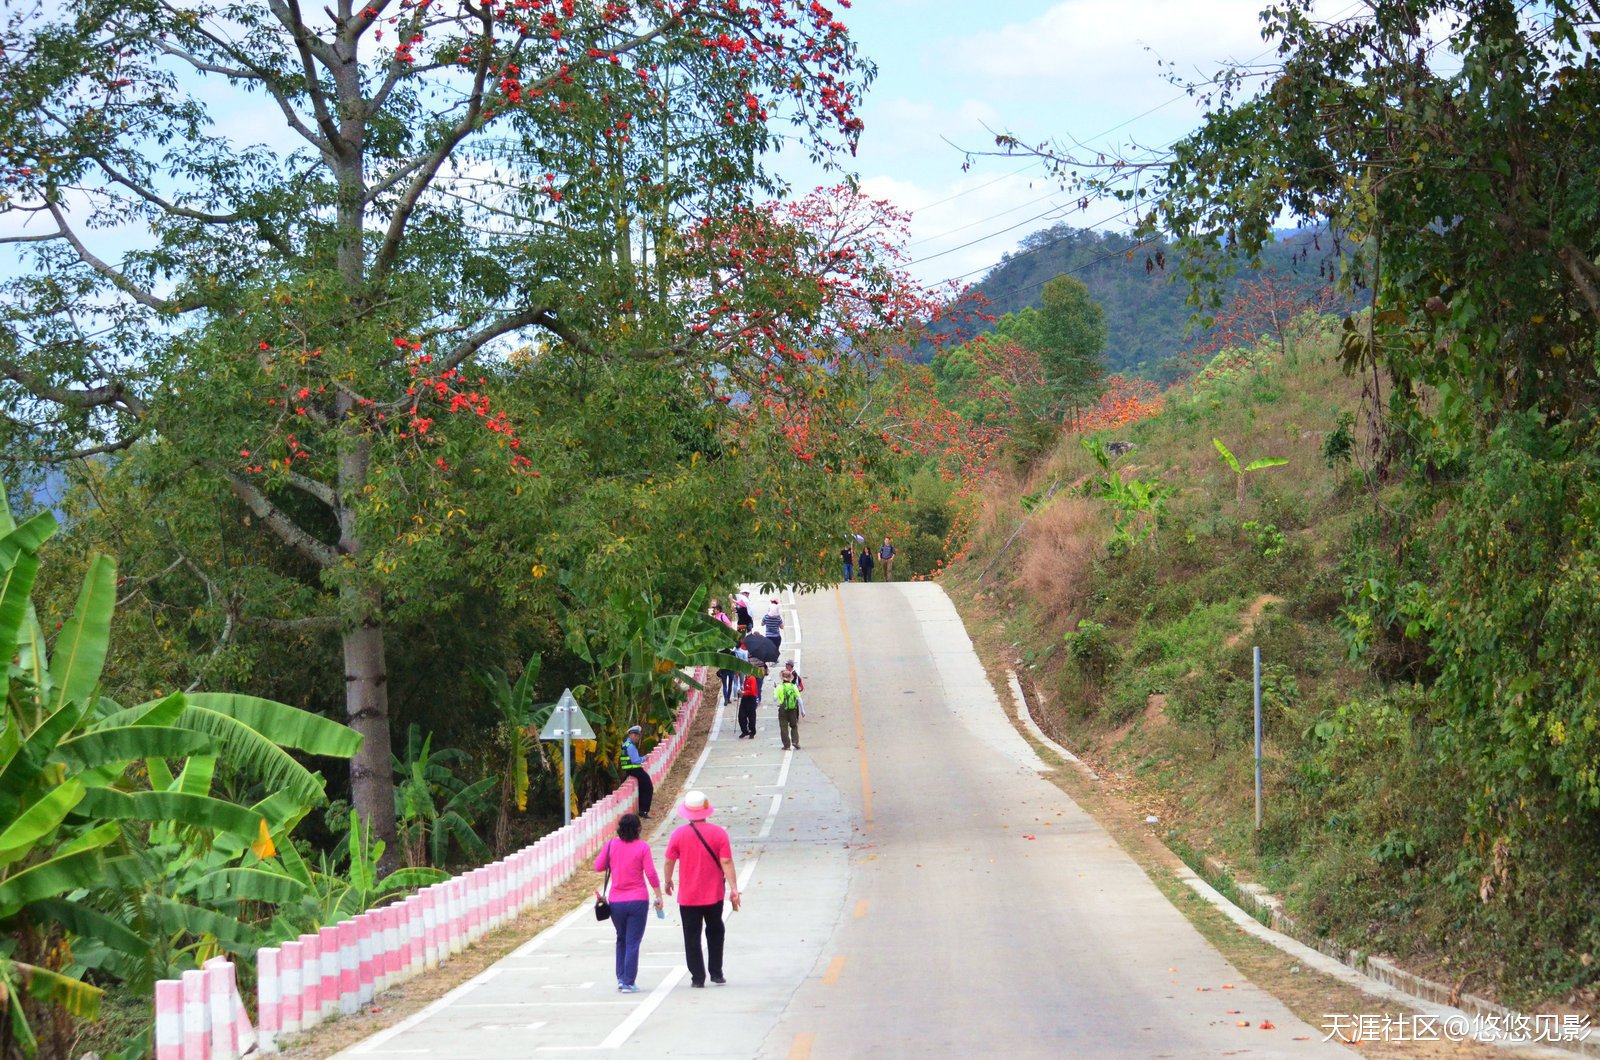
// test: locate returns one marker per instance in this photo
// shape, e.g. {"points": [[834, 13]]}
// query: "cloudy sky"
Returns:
{"points": [[951, 73]]}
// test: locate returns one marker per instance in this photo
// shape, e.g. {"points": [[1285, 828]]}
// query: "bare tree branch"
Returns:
{"points": [[250, 71], [118, 280], [151, 197], [115, 394], [311, 487], [504, 326], [312, 49], [288, 531]]}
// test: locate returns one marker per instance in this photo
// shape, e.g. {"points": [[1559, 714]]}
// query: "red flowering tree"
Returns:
{"points": [[343, 215]]}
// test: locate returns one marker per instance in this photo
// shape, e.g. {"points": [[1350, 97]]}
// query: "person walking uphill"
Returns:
{"points": [[633, 765], [865, 564], [886, 553], [788, 696], [748, 698], [628, 863], [848, 557], [772, 623], [707, 859]]}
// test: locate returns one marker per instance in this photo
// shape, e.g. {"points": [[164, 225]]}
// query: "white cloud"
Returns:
{"points": [[1096, 61]]}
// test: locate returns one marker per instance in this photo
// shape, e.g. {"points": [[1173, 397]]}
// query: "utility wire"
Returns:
{"points": [[980, 187], [985, 220]]}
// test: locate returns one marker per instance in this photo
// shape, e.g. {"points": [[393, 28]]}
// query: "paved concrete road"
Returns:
{"points": [[913, 887]]}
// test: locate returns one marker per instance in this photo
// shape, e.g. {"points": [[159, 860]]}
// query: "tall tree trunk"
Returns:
{"points": [[366, 668], [366, 676]]}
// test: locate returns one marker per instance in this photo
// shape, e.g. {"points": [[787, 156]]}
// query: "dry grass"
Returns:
{"points": [[1059, 545]]}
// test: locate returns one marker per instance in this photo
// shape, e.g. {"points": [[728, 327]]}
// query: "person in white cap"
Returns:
{"points": [[707, 858], [633, 765]]}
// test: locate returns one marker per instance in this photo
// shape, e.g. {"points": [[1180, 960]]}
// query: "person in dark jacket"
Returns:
{"points": [[866, 564]]}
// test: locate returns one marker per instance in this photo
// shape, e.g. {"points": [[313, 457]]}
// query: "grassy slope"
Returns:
{"points": [[1362, 825]]}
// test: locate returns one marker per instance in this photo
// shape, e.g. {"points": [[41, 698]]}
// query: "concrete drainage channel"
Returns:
{"points": [[1466, 1015]]}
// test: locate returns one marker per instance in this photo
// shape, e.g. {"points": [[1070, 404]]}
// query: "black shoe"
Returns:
{"points": [[697, 982], [719, 980]]}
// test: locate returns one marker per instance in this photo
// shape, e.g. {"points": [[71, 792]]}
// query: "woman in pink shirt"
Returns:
{"points": [[630, 863]]}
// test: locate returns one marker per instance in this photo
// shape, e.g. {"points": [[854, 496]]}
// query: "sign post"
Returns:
{"points": [[567, 723], [1257, 659]]}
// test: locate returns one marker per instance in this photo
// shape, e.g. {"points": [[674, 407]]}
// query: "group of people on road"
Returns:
{"points": [[699, 856], [761, 651], [862, 561], [698, 871]]}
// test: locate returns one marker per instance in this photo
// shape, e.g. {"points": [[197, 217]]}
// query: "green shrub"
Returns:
{"points": [[1092, 650]]}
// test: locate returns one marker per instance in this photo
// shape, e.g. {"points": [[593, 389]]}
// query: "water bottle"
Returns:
{"points": [[661, 911]]}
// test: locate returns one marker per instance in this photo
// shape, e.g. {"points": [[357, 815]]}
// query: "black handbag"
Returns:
{"points": [[602, 908]]}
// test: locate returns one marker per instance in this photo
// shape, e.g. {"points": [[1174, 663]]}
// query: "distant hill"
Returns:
{"points": [[1137, 285]]}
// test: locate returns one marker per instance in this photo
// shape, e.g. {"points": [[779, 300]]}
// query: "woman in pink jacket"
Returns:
{"points": [[630, 862]]}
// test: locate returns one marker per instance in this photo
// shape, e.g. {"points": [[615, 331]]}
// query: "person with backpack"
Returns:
{"points": [[706, 856], [741, 614], [749, 697], [865, 563], [788, 696], [886, 557]]}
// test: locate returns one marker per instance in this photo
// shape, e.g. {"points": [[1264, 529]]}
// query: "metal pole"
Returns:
{"points": [[566, 773], [1257, 654]]}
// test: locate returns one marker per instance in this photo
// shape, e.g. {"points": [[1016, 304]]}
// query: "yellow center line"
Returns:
{"points": [[835, 969], [801, 1049], [855, 702], [861, 908]]}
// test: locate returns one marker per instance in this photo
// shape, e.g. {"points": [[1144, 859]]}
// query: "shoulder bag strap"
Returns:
{"points": [[714, 859]]}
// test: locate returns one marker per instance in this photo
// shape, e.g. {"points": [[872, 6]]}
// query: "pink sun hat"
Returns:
{"points": [[696, 806]]}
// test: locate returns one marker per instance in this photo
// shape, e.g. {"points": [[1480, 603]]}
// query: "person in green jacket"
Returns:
{"points": [[788, 696]]}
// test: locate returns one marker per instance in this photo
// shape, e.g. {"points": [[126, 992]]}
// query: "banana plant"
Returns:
{"points": [[1239, 472], [434, 806], [1136, 504], [637, 655], [519, 736], [136, 869], [328, 895]]}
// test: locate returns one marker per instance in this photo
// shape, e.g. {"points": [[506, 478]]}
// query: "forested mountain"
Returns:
{"points": [[1137, 283]]}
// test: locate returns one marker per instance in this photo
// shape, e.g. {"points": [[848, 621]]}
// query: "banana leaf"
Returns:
{"points": [[25, 765], [252, 885], [41, 984], [197, 775], [80, 649], [16, 587], [411, 879], [38, 821], [124, 952], [95, 838], [27, 537], [193, 811], [289, 726], [174, 916], [49, 879], [128, 743]]}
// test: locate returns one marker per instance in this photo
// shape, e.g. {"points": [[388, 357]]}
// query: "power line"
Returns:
{"points": [[1031, 250], [980, 187], [991, 235], [985, 220]]}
